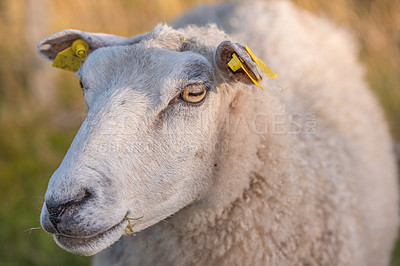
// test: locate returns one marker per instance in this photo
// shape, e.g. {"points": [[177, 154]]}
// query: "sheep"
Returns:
{"points": [[207, 168]]}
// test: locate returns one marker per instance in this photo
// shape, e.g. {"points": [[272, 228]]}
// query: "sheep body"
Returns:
{"points": [[302, 173], [324, 194]]}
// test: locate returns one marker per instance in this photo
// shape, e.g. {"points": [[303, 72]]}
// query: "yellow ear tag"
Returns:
{"points": [[236, 63], [73, 57], [271, 74]]}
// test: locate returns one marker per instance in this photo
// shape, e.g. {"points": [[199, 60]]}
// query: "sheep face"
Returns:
{"points": [[149, 146], [144, 150]]}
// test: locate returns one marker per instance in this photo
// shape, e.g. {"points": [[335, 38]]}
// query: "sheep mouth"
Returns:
{"points": [[90, 245]]}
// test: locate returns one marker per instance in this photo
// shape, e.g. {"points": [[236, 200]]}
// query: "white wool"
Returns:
{"points": [[302, 173]]}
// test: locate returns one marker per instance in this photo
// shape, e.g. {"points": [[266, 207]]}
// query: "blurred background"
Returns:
{"points": [[41, 108]]}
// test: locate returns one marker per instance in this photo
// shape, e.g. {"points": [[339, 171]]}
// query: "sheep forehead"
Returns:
{"points": [[157, 72], [163, 36]]}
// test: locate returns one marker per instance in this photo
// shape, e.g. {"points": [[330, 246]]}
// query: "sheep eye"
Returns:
{"points": [[194, 94]]}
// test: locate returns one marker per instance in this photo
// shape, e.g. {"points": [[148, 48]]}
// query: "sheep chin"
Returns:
{"points": [[88, 246]]}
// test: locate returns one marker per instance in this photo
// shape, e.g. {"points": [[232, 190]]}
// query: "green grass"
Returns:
{"points": [[30, 152]]}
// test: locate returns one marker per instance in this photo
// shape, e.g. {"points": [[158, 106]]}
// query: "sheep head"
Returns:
{"points": [[149, 144]]}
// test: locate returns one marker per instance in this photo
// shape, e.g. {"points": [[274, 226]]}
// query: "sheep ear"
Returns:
{"points": [[224, 54], [49, 47]]}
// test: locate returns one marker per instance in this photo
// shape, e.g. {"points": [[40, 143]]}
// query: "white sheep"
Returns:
{"points": [[211, 170]]}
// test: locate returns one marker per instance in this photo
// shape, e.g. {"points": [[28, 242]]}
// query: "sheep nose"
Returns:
{"points": [[56, 208]]}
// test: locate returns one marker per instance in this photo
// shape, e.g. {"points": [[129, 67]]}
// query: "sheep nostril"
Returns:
{"points": [[54, 220], [57, 209], [55, 212]]}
